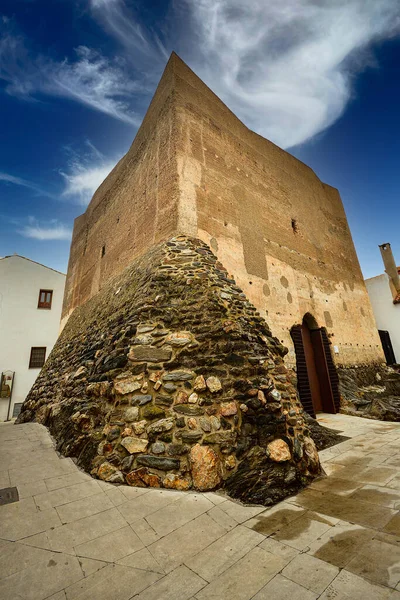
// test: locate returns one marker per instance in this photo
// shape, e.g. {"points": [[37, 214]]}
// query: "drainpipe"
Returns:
{"points": [[390, 265]]}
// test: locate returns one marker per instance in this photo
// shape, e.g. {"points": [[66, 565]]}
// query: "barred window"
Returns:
{"points": [[45, 298], [38, 357]]}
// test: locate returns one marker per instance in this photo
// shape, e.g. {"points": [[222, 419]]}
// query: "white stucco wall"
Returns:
{"points": [[22, 324], [387, 314]]}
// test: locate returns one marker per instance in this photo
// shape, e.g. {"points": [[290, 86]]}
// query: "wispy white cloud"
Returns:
{"points": [[122, 24], [7, 178], [286, 68], [95, 81], [15, 180], [45, 231], [90, 78], [84, 173]]}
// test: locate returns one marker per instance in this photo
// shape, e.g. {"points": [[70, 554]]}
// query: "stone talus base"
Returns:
{"points": [[168, 377], [371, 391]]}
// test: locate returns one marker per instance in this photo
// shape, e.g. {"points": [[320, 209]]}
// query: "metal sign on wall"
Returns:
{"points": [[7, 380], [6, 387]]}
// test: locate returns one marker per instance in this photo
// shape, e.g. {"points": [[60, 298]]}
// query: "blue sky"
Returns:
{"points": [[320, 79]]}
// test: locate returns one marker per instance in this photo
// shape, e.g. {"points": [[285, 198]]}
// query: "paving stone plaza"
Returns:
{"points": [[72, 537]]}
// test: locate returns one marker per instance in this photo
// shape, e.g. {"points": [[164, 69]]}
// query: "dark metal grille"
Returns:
{"points": [[303, 384], [38, 356], [9, 495]]}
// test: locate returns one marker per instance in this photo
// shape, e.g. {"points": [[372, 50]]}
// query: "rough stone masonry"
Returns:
{"points": [[169, 377]]}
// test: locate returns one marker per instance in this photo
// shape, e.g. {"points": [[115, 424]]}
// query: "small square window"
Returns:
{"points": [[45, 299], [38, 357]]}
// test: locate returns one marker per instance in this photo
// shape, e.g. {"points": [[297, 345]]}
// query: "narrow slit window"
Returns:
{"points": [[103, 251], [294, 225], [45, 299], [38, 357]]}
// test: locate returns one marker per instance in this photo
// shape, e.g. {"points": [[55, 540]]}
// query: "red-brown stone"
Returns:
{"points": [[205, 468]]}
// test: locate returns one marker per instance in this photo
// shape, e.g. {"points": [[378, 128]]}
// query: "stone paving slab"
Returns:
{"points": [[72, 537], [245, 578]]}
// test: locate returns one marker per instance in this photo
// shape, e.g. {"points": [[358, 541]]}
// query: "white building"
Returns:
{"points": [[384, 293], [31, 297]]}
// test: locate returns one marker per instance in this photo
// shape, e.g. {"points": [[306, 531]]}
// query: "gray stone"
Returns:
{"points": [[205, 424], [275, 395], [149, 354], [164, 400], [179, 376], [134, 445], [177, 449], [200, 384], [213, 384], [220, 437], [139, 427], [79, 373], [160, 332], [157, 448], [144, 328], [127, 463], [215, 422], [141, 399], [127, 385], [189, 410], [145, 339], [169, 387], [191, 436], [131, 414], [113, 434], [116, 477], [156, 462], [161, 426]]}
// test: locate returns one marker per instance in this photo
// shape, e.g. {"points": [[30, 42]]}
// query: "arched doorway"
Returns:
{"points": [[317, 379]]}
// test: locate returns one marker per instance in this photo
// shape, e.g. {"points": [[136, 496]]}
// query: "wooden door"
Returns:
{"points": [[317, 379], [321, 366]]}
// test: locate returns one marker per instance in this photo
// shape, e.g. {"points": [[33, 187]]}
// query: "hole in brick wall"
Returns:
{"points": [[103, 251], [294, 225]]}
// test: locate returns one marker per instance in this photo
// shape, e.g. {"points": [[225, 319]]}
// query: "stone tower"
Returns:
{"points": [[194, 168], [166, 372]]}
